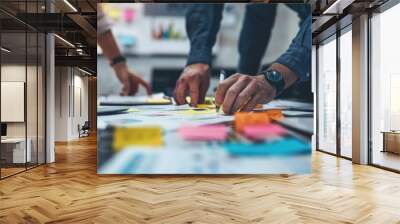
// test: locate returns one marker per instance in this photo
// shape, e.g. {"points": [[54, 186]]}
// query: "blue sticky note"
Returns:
{"points": [[282, 147]]}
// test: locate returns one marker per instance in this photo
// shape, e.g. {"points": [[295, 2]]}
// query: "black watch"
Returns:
{"points": [[117, 59], [275, 79]]}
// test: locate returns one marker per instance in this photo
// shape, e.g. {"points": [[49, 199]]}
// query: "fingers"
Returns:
{"points": [[203, 90], [180, 91], [194, 90], [145, 85], [223, 87], [246, 96], [232, 95], [251, 104], [126, 87]]}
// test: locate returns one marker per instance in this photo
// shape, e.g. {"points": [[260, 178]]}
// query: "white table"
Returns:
{"points": [[18, 144]]}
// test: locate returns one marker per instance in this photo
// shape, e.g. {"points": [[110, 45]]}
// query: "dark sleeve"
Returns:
{"points": [[202, 25], [298, 56]]}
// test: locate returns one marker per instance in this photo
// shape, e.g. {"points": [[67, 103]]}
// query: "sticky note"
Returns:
{"points": [[263, 131], [204, 133], [258, 106], [130, 110], [196, 112], [205, 106], [249, 118], [137, 136], [275, 114], [114, 13], [282, 147], [129, 15], [209, 100], [158, 101]]}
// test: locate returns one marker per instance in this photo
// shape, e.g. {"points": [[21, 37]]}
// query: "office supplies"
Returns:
{"points": [[204, 133], [155, 99], [221, 78], [282, 147], [302, 125], [132, 109], [250, 118], [275, 114], [137, 136], [243, 105], [263, 131], [111, 110]]}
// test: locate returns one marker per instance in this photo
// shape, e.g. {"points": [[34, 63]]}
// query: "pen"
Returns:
{"points": [[221, 78], [243, 105]]}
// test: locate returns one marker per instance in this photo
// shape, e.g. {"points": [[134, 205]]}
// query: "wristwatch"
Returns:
{"points": [[117, 59], [275, 79]]}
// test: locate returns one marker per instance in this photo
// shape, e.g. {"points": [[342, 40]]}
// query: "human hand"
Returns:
{"points": [[130, 81], [195, 80], [243, 92]]}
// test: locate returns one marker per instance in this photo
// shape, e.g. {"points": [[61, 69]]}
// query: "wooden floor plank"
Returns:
{"points": [[70, 191]]}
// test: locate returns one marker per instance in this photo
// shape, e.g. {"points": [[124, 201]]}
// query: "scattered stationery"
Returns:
{"points": [[110, 110], [204, 133], [155, 99]]}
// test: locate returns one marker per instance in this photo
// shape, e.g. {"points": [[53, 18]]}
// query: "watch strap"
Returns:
{"points": [[117, 59]]}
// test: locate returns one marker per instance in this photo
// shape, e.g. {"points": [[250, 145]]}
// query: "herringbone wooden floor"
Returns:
{"points": [[70, 191]]}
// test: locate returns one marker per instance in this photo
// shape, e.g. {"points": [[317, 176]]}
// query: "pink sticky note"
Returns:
{"points": [[204, 133], [129, 15], [263, 131]]}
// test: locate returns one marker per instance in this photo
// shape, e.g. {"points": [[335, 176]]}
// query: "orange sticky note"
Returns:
{"points": [[250, 118], [275, 114]]}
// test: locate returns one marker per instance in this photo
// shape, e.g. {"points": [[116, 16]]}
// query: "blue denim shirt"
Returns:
{"points": [[203, 23]]}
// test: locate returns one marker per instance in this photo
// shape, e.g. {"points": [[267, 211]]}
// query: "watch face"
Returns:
{"points": [[274, 76]]}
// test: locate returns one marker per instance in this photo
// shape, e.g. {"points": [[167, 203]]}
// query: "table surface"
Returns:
{"points": [[13, 140], [178, 156]]}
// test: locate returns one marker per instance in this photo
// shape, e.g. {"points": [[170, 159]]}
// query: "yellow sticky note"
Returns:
{"points": [[114, 13], [205, 106], [157, 100], [137, 136], [197, 112], [130, 110]]}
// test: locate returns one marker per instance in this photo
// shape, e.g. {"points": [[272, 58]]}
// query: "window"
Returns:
{"points": [[346, 92], [327, 96], [385, 89], [22, 77]]}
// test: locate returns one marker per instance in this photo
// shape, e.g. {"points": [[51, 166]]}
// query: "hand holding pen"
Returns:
{"points": [[242, 92]]}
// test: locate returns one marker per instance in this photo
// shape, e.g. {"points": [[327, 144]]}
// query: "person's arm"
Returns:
{"points": [[202, 25], [243, 92], [298, 56], [106, 40]]}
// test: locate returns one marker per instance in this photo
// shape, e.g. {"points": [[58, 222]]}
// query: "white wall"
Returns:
{"points": [[71, 94]]}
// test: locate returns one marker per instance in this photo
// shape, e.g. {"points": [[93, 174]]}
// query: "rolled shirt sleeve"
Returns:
{"points": [[103, 25], [202, 25], [298, 56]]}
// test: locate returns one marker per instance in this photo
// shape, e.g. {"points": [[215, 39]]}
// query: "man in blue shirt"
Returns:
{"points": [[243, 90]]}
